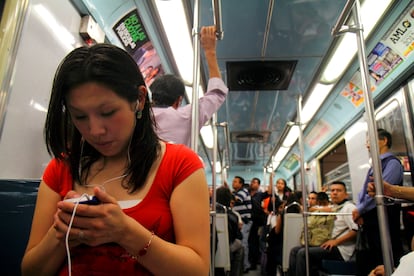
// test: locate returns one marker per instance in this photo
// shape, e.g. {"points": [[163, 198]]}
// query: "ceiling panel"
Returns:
{"points": [[297, 30]]}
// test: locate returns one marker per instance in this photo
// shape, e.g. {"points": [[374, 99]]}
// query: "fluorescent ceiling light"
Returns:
{"points": [[371, 11], [280, 155], [314, 101], [340, 59], [289, 141], [275, 164], [176, 28], [316, 98], [218, 167], [207, 135], [291, 137]]}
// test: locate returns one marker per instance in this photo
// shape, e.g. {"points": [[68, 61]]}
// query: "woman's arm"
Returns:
{"points": [[191, 253], [44, 253]]}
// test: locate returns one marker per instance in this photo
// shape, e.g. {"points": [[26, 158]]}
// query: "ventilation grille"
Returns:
{"points": [[249, 136], [244, 162], [260, 75]]}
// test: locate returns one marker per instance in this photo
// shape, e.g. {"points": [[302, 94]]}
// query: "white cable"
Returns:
{"points": [[67, 233]]}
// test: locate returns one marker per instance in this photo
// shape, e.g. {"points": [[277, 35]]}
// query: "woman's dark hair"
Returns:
{"points": [[114, 68], [224, 196], [286, 190]]}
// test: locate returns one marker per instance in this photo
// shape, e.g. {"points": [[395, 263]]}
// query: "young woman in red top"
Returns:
{"points": [[153, 211]]}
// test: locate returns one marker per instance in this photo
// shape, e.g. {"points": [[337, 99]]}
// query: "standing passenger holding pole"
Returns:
{"points": [[366, 213], [173, 120]]}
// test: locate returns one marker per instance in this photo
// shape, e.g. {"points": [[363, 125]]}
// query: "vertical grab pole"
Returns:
{"points": [[195, 123], [373, 139], [196, 78], [217, 19], [213, 178], [302, 181]]}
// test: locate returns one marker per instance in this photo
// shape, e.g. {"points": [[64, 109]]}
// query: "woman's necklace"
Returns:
{"points": [[102, 186]]}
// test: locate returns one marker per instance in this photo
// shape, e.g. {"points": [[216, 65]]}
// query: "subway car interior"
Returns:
{"points": [[309, 83]]}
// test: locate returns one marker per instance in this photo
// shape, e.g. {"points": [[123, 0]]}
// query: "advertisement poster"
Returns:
{"points": [[131, 32], [395, 46], [400, 38], [381, 61], [292, 162], [353, 93], [318, 133]]}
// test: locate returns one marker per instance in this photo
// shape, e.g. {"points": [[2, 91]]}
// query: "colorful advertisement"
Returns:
{"points": [[292, 162], [353, 93], [381, 61], [131, 32], [400, 38], [395, 46]]}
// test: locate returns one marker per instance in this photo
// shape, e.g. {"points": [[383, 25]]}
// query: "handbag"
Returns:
{"points": [[361, 243]]}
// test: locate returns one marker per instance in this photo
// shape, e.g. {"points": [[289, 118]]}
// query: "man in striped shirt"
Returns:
{"points": [[243, 206]]}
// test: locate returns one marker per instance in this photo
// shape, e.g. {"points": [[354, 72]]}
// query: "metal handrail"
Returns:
{"points": [[342, 17], [225, 127], [217, 19]]}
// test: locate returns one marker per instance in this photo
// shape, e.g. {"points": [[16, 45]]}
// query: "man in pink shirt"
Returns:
{"points": [[173, 120]]}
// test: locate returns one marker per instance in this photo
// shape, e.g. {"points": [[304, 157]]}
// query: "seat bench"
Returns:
{"points": [[337, 268]]}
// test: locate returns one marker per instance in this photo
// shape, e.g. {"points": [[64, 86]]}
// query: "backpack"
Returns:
{"points": [[319, 229]]}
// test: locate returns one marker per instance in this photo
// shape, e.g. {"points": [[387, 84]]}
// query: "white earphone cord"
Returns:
{"points": [[67, 234]]}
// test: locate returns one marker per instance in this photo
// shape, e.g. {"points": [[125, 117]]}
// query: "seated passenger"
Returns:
{"points": [[322, 203], [406, 266], [275, 233], [312, 200], [340, 247], [320, 226], [224, 197]]}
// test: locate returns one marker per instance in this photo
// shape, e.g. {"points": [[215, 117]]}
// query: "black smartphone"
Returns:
{"points": [[85, 199]]}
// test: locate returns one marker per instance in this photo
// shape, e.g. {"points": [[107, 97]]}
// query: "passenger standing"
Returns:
{"points": [[243, 206], [281, 193], [366, 212], [173, 120], [259, 221]]}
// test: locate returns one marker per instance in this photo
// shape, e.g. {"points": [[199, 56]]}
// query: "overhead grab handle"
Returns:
{"points": [[217, 19], [342, 17]]}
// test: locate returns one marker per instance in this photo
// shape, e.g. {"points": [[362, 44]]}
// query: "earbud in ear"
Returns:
{"points": [[137, 106], [138, 111]]}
